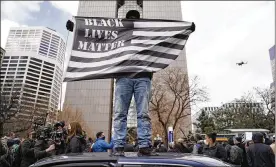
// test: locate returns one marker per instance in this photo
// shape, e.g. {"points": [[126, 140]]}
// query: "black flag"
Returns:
{"points": [[113, 47]]}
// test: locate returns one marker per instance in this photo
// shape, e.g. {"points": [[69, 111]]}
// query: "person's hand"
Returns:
{"points": [[51, 148], [70, 25]]}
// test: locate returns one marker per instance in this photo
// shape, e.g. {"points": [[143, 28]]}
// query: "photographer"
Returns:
{"points": [[42, 148], [59, 137], [27, 149]]}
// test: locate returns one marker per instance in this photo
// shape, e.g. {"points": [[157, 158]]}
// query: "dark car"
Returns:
{"points": [[130, 160]]}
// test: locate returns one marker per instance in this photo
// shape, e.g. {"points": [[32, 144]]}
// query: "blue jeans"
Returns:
{"points": [[125, 88]]}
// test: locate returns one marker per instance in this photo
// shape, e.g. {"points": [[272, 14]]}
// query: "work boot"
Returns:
{"points": [[146, 151], [119, 151]]}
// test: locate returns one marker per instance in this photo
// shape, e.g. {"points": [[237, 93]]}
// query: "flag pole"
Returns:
{"points": [[112, 93], [60, 101]]}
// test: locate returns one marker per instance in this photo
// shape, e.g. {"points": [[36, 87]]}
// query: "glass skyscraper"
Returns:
{"points": [[94, 97], [32, 66]]}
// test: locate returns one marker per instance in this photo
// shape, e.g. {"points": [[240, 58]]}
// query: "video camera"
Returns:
{"points": [[44, 133], [51, 134]]}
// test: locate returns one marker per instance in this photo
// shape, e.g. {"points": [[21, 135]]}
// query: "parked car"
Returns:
{"points": [[130, 160]]}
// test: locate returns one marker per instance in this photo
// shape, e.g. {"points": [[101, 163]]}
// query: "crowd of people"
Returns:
{"points": [[260, 151], [22, 152], [36, 144]]}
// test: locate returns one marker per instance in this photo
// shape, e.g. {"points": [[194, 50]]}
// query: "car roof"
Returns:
{"points": [[132, 158]]}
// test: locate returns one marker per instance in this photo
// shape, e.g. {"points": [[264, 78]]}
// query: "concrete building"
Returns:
{"points": [[2, 55], [94, 97], [32, 66], [237, 104]]}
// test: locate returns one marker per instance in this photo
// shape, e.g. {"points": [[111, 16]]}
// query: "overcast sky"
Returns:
{"points": [[226, 33]]}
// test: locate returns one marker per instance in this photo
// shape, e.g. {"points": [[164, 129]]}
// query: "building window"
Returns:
{"points": [[34, 67], [15, 57], [24, 57], [34, 71], [50, 64], [20, 72], [51, 76], [22, 65], [23, 61], [38, 64], [37, 60], [14, 61]]}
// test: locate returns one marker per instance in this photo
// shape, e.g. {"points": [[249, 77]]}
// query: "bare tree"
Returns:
{"points": [[172, 98], [70, 115], [9, 105], [267, 97]]}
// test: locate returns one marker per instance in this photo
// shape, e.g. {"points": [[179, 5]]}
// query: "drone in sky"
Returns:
{"points": [[241, 63]]}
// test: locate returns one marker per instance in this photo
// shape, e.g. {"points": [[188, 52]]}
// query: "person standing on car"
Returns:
{"points": [[260, 154], [139, 85], [214, 149], [76, 141], [101, 145]]}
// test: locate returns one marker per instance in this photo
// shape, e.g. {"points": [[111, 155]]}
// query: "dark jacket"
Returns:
{"points": [[28, 156], [260, 155], [40, 149], [244, 162], [76, 144], [6, 160], [217, 151], [101, 145]]}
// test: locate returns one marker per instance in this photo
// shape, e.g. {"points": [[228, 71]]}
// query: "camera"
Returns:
{"points": [[44, 133], [51, 134], [57, 136]]}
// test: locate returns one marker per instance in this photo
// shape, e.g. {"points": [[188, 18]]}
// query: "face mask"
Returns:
{"points": [[103, 138]]}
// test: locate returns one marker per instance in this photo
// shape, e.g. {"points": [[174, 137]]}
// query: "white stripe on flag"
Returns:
{"points": [[105, 54], [109, 70], [160, 24], [154, 33], [154, 42], [165, 50], [120, 59]]}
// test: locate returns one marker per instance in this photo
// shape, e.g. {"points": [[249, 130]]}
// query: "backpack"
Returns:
{"points": [[236, 155]]}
